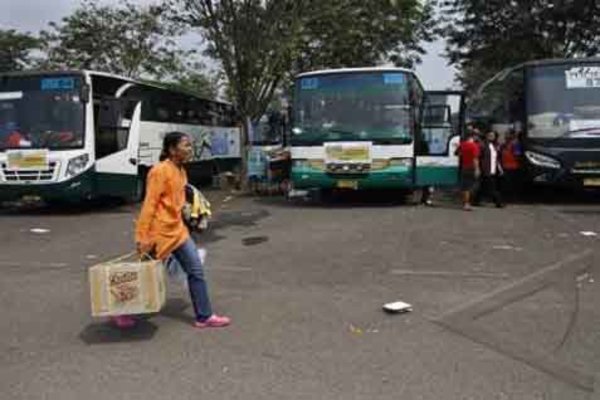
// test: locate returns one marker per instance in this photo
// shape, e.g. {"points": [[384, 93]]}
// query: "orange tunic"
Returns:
{"points": [[510, 162], [160, 222]]}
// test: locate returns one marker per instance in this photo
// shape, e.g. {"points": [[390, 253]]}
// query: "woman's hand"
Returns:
{"points": [[144, 248]]}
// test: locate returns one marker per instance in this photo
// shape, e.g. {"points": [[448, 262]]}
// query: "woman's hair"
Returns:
{"points": [[171, 140]]}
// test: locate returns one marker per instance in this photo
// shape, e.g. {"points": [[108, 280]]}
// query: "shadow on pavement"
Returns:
{"points": [[547, 195], [106, 333], [582, 212], [106, 206], [345, 199], [175, 309], [254, 240], [443, 198], [224, 219]]}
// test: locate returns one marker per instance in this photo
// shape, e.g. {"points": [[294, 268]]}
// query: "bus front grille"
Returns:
{"points": [[29, 175]]}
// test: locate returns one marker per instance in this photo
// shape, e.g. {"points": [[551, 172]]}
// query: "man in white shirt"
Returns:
{"points": [[491, 170]]}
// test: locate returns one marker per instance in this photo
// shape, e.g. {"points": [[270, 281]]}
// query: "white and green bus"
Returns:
{"points": [[372, 128], [73, 135]]}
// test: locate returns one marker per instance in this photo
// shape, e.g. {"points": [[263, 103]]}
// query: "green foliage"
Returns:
{"points": [[127, 39], [15, 50], [355, 33], [487, 36], [261, 44], [254, 41], [194, 82]]}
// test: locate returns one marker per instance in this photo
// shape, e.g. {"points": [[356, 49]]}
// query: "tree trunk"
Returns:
{"points": [[244, 148]]}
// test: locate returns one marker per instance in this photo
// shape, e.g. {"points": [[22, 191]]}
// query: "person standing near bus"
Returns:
{"points": [[511, 164], [161, 231], [491, 170], [468, 151]]}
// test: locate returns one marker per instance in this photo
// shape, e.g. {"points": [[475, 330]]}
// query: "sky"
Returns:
{"points": [[34, 15]]}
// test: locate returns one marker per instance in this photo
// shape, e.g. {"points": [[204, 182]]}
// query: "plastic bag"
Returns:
{"points": [[174, 268]]}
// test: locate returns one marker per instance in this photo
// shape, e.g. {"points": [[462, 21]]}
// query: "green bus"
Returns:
{"points": [[372, 128], [68, 136]]}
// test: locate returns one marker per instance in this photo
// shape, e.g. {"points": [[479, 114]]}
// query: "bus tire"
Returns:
{"points": [[284, 186], [409, 197]]}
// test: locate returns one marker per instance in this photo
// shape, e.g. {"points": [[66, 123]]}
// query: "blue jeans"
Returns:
{"points": [[187, 256]]}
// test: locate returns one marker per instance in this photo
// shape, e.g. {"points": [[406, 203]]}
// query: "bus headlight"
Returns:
{"points": [[542, 160], [77, 165]]}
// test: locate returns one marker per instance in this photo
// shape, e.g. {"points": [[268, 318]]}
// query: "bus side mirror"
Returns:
{"points": [[85, 92]]}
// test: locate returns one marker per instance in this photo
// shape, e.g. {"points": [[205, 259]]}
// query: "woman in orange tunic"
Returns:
{"points": [[160, 228]]}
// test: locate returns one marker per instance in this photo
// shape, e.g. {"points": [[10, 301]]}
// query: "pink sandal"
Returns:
{"points": [[214, 321], [123, 321]]}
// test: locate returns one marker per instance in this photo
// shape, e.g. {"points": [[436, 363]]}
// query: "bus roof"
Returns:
{"points": [[354, 70], [156, 85], [536, 63], [42, 72], [556, 61]]}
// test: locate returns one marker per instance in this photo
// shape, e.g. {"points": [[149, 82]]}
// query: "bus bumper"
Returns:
{"points": [[72, 190], [563, 178], [400, 178]]}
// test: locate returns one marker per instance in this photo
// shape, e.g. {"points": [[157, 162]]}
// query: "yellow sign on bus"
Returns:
{"points": [[352, 152], [19, 160]]}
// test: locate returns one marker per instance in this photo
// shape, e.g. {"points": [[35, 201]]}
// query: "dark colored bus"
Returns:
{"points": [[555, 106]]}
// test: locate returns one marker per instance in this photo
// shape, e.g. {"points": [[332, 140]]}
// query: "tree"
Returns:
{"points": [[15, 50], [487, 36], [356, 33], [195, 82], [199, 83], [255, 42], [259, 42], [128, 40]]}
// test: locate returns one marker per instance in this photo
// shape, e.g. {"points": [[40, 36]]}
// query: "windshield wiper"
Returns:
{"points": [[568, 134], [595, 129]]}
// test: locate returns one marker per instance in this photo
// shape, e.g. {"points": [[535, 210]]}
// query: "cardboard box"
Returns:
{"points": [[125, 288]]}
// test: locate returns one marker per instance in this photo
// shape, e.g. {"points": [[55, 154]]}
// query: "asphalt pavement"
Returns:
{"points": [[505, 304]]}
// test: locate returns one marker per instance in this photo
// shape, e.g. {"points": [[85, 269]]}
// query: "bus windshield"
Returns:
{"points": [[564, 101], [370, 106], [41, 112]]}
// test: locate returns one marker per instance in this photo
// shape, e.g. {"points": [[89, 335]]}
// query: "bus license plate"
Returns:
{"points": [[591, 182], [346, 184]]}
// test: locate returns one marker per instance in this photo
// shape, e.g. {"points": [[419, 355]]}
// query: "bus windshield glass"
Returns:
{"points": [[370, 106], [41, 112], [564, 101]]}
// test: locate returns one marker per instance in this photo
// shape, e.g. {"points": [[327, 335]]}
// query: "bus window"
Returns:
{"points": [[437, 130], [113, 117]]}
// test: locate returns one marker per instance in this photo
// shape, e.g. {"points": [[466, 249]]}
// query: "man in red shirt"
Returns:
{"points": [[468, 151]]}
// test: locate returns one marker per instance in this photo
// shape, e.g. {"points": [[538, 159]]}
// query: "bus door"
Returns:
{"points": [[117, 130], [436, 142]]}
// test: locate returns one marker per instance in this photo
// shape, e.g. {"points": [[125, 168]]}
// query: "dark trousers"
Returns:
{"points": [[512, 183], [488, 188]]}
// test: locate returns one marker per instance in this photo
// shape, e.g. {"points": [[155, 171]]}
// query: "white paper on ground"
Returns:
{"points": [[39, 230], [397, 307]]}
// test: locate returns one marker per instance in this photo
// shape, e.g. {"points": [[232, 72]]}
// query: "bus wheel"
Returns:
{"points": [[409, 197], [284, 186]]}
